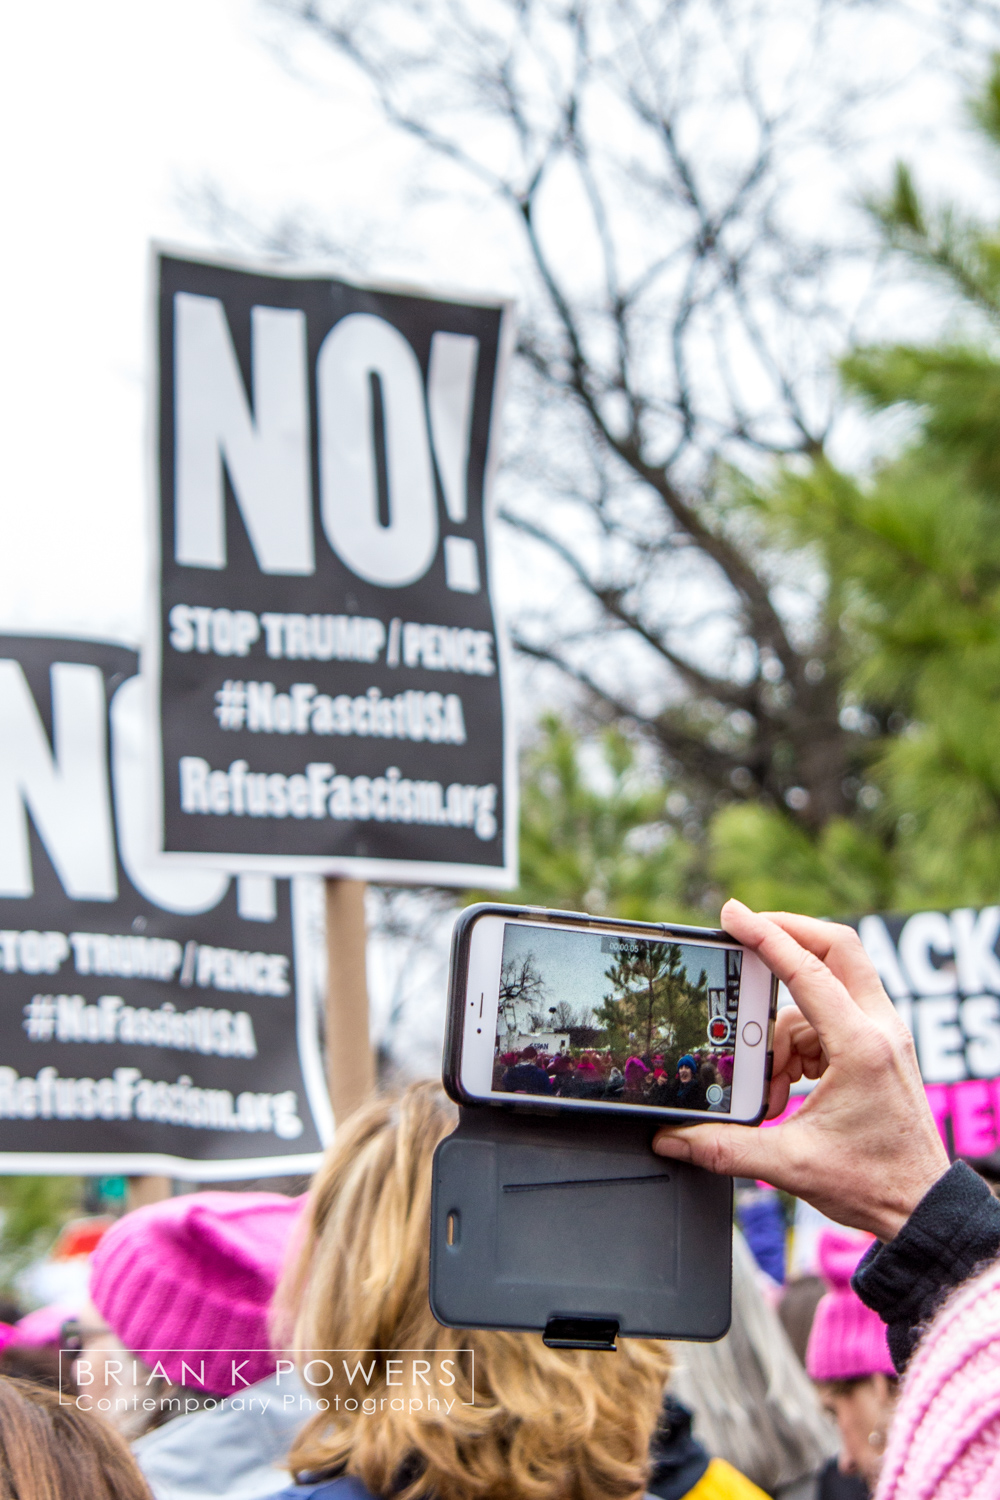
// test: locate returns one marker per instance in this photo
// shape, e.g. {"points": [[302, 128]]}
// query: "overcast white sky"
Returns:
{"points": [[109, 112]]}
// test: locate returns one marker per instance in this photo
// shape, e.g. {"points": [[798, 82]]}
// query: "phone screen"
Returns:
{"points": [[616, 1019]]}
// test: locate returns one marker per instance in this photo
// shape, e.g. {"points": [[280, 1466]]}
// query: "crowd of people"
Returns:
{"points": [[700, 1080], [252, 1345]]}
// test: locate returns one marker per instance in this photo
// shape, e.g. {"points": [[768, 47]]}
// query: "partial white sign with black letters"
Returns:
{"points": [[941, 969], [326, 657], [152, 1019]]}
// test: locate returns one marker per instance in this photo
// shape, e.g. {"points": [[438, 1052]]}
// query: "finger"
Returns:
{"points": [[840, 948], [784, 1049], [797, 1044], [777, 1098], [821, 997], [731, 1150]]}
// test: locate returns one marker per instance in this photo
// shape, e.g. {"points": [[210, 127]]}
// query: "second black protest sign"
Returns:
{"points": [[152, 1020]]}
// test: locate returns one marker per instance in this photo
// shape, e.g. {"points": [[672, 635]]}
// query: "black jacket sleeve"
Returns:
{"points": [[952, 1231]]}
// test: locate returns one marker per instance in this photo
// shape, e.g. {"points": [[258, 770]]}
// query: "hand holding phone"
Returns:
{"points": [[863, 1148], [563, 1011]]}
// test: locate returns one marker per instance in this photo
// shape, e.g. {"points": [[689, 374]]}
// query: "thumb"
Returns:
{"points": [[730, 1150]]}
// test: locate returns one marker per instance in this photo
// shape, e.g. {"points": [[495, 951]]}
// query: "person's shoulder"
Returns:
{"points": [[340, 1487], [831, 1484]]}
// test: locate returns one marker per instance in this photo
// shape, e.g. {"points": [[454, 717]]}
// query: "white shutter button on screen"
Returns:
{"points": [[752, 1033]]}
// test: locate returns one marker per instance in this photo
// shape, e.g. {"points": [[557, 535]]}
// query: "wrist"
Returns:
{"points": [[906, 1196]]}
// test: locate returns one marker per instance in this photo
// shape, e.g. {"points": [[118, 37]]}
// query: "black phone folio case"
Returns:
{"points": [[575, 1229]]}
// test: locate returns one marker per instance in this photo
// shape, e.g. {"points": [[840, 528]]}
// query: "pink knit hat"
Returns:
{"points": [[944, 1443], [195, 1274], [43, 1326], [847, 1340]]}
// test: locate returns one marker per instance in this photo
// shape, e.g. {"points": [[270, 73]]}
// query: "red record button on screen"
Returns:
{"points": [[718, 1030]]}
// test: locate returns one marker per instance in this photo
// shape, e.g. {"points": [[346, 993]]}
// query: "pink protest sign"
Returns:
{"points": [[968, 1111]]}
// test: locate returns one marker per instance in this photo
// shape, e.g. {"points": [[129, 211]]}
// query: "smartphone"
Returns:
{"points": [[558, 1010]]}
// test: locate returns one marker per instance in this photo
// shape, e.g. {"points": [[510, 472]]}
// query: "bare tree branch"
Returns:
{"points": [[680, 320]]}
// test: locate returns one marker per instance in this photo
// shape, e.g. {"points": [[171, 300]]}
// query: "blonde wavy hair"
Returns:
{"points": [[546, 1423]]}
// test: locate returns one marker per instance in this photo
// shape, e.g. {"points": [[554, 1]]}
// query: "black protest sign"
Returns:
{"points": [[325, 652], [151, 1020]]}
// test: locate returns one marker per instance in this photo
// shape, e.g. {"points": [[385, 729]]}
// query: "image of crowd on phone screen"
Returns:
{"points": [[616, 1019]]}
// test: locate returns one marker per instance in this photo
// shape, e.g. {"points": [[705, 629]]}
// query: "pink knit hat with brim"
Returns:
{"points": [[191, 1279], [43, 1326], [847, 1340]]}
